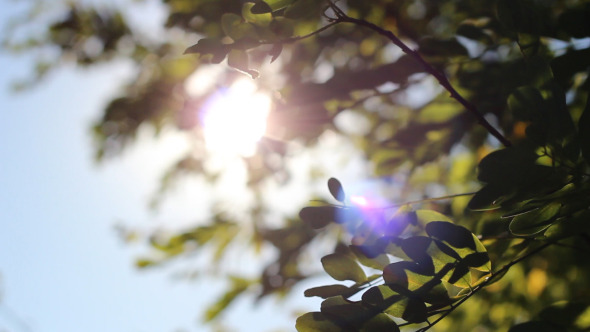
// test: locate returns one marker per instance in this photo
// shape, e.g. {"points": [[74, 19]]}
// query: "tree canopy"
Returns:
{"points": [[474, 117]]}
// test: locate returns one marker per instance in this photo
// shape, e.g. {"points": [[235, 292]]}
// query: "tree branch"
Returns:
{"points": [[493, 277], [341, 17]]}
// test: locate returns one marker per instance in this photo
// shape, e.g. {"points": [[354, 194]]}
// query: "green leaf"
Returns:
{"points": [[380, 323], [349, 315], [261, 19], [376, 295], [239, 285], [329, 291], [342, 267], [267, 6], [316, 322], [336, 189], [536, 221], [229, 21]]}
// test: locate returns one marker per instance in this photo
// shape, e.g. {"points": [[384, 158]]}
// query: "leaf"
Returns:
{"points": [[380, 323], [415, 311], [267, 6], [395, 274], [565, 66], [238, 59], [376, 295], [533, 222], [275, 51], [328, 291], [229, 21], [487, 198], [342, 267], [456, 236], [210, 46], [416, 248], [349, 315], [336, 189], [315, 322], [260, 19], [239, 285], [321, 216]]}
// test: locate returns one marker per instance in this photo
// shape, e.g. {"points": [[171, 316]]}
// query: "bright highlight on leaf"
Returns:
{"points": [[234, 119]]}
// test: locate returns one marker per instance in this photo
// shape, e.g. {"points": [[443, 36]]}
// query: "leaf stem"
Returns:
{"points": [[494, 275]]}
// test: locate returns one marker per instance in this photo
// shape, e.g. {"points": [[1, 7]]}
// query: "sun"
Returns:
{"points": [[234, 118]]}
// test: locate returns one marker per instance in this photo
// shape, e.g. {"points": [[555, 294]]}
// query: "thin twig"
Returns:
{"points": [[486, 282], [441, 78]]}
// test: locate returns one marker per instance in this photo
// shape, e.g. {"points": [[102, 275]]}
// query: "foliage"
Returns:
{"points": [[508, 116]]}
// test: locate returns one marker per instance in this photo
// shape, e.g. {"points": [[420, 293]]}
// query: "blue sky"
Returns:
{"points": [[62, 266]]}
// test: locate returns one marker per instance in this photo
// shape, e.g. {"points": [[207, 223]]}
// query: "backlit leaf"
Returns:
{"points": [[315, 322], [328, 291], [342, 267], [336, 190]]}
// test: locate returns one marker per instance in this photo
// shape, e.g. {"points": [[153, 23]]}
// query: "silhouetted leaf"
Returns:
{"points": [[395, 273], [207, 46], [456, 236], [318, 216], [342, 267], [415, 311], [328, 291], [336, 189]]}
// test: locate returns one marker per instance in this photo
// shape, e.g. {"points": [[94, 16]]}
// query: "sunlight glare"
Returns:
{"points": [[234, 119]]}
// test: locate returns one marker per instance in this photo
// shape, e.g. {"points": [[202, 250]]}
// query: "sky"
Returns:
{"points": [[62, 266]]}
